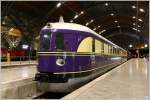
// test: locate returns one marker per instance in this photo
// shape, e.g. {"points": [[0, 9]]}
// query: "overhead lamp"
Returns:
{"points": [[145, 45], [134, 29], [141, 10], [94, 29], [130, 45], [118, 26], [76, 16], [134, 24], [133, 17], [58, 5], [87, 24], [133, 6], [140, 20], [116, 21], [139, 26], [13, 44], [91, 21], [112, 14], [99, 26], [106, 4], [81, 12], [4, 22], [138, 30], [102, 31], [25, 46], [71, 21]]}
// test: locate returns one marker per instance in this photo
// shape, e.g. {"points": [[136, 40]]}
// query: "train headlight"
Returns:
{"points": [[60, 62]]}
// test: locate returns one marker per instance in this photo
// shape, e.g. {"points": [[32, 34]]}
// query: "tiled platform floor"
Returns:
{"points": [[18, 63], [17, 82], [128, 81], [17, 73]]}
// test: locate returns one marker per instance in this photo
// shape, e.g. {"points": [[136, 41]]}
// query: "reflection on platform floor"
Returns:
{"points": [[18, 63], [17, 82], [126, 82], [17, 73]]}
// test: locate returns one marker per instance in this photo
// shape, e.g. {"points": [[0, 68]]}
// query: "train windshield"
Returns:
{"points": [[45, 41]]}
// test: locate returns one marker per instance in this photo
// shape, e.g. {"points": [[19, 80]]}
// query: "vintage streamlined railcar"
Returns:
{"points": [[71, 53]]}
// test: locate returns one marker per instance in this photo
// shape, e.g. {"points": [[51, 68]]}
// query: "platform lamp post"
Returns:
{"points": [[13, 37], [25, 47], [29, 54]]}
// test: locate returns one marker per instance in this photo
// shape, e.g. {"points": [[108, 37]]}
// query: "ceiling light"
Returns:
{"points": [[141, 10], [134, 24], [140, 19], [116, 21], [139, 26], [130, 45], [134, 29], [87, 24], [81, 12], [112, 14], [25, 46], [76, 16], [145, 45], [91, 21], [58, 5], [138, 30], [133, 17], [13, 44], [4, 22], [102, 31], [133, 6], [106, 4], [118, 26], [94, 29], [99, 26], [71, 21]]}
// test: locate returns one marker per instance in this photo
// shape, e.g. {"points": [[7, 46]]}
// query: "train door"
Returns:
{"points": [[70, 44]]}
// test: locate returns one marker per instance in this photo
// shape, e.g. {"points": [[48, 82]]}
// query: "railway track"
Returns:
{"points": [[50, 95]]}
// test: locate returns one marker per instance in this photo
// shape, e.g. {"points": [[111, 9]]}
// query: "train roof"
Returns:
{"points": [[78, 27]]}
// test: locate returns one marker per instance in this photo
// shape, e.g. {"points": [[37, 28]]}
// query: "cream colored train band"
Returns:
{"points": [[74, 54]]}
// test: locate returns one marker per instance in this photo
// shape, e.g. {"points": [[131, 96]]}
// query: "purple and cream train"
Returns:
{"points": [[71, 53]]}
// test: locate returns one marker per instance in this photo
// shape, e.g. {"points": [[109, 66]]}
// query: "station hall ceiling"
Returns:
{"points": [[122, 22]]}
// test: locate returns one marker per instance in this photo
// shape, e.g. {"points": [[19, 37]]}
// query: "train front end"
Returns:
{"points": [[52, 59]]}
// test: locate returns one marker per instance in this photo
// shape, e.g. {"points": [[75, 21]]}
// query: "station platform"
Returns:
{"points": [[128, 81], [17, 82], [18, 63]]}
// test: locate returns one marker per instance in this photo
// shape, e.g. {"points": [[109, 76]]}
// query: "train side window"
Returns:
{"points": [[99, 48], [85, 45], [105, 48], [60, 42]]}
